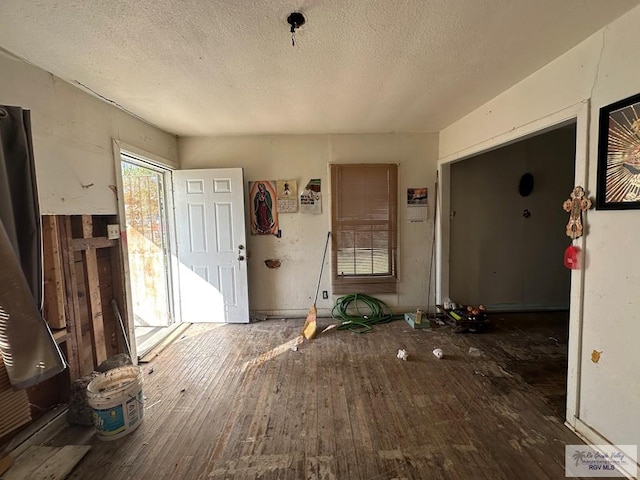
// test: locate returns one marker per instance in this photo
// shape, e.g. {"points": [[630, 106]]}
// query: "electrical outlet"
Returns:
{"points": [[325, 294], [113, 232]]}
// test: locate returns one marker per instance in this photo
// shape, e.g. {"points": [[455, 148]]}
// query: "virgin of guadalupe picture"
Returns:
{"points": [[263, 215]]}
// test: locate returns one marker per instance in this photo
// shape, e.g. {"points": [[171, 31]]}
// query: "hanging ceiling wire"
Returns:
{"points": [[296, 20]]}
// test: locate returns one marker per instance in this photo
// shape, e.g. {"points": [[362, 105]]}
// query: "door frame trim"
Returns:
{"points": [[168, 166], [578, 113]]}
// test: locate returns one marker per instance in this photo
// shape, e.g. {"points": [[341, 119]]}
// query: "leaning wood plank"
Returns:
{"points": [[6, 461], [95, 306], [53, 276], [59, 466], [118, 287], [92, 279], [26, 464], [77, 367], [46, 463]]}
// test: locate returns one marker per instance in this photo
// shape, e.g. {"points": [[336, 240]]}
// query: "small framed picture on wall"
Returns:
{"points": [[619, 155]]}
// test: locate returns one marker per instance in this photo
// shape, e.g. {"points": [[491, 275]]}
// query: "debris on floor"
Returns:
{"points": [[438, 353], [475, 352], [153, 404], [403, 355], [330, 327], [463, 318], [258, 317], [274, 352], [79, 411]]}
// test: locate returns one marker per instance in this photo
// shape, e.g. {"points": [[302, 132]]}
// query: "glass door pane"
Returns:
{"points": [[146, 227]]}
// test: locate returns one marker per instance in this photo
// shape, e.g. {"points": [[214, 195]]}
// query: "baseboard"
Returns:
{"points": [[262, 315], [592, 437], [525, 307]]}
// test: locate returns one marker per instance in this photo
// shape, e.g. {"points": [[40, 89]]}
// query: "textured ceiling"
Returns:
{"points": [[205, 67]]}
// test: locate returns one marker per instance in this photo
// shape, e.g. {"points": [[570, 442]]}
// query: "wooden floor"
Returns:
{"points": [[236, 402]]}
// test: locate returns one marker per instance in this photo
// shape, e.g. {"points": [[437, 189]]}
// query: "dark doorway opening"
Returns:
{"points": [[506, 252]]}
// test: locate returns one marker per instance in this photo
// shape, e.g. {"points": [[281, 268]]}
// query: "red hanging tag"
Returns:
{"points": [[572, 257]]}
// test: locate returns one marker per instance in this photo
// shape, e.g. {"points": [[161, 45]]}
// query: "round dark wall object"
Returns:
{"points": [[526, 185]]}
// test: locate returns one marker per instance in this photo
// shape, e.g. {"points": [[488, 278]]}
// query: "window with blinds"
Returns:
{"points": [[364, 203]]}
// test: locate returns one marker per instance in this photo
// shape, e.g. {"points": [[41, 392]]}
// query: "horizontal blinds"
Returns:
{"points": [[364, 223], [14, 405]]}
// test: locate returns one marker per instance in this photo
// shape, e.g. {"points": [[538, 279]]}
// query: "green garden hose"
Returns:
{"points": [[359, 312]]}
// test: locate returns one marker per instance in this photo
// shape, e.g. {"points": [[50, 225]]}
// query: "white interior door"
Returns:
{"points": [[209, 206]]}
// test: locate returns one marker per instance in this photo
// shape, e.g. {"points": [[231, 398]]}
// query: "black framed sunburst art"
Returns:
{"points": [[619, 155]]}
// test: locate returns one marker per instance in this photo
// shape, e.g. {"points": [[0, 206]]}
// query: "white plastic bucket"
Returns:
{"points": [[117, 403]]}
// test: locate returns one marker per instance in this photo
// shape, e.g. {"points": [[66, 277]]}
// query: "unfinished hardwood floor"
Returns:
{"points": [[236, 402]]}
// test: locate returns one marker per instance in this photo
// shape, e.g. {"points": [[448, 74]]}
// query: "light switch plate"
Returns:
{"points": [[113, 232]]}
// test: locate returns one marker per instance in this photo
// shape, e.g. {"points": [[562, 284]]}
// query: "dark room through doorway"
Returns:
{"points": [[508, 238]]}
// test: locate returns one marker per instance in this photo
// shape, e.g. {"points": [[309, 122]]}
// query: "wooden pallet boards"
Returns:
{"points": [[46, 463]]}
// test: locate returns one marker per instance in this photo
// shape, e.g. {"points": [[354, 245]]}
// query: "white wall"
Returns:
{"points": [[604, 69], [72, 139], [289, 290]]}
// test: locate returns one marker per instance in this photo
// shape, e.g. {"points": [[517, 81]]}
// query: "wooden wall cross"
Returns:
{"points": [[575, 205]]}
